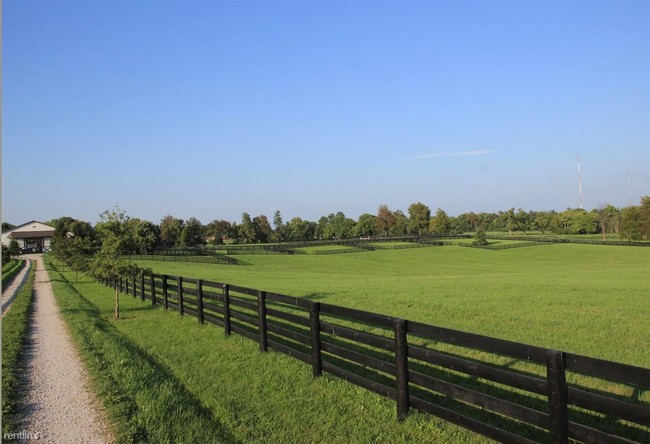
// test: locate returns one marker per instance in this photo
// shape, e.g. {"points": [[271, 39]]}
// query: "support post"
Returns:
{"points": [[142, 286], [226, 309], [557, 397], [179, 293], [165, 291], [135, 286], [261, 310], [152, 282], [402, 373], [199, 300], [314, 326]]}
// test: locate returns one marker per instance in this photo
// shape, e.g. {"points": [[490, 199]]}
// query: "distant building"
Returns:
{"points": [[32, 237]]}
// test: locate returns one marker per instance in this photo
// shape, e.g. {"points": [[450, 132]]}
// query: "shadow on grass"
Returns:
{"points": [[142, 395]]}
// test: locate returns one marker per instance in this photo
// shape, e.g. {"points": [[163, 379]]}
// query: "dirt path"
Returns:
{"points": [[9, 293], [59, 408]]}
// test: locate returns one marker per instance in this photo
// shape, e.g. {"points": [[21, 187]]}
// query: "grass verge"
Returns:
{"points": [[15, 327], [10, 270], [165, 378]]}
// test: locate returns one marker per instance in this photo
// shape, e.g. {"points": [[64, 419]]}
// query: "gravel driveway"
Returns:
{"points": [[58, 407]]}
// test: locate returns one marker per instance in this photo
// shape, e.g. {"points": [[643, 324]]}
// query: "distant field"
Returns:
{"points": [[590, 300]]}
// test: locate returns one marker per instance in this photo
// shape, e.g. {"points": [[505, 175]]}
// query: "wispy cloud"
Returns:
{"points": [[452, 154]]}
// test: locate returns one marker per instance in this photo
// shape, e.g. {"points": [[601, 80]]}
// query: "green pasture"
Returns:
{"points": [[166, 379], [585, 299]]}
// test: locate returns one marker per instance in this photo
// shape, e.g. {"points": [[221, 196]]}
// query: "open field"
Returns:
{"points": [[165, 378], [590, 300]]}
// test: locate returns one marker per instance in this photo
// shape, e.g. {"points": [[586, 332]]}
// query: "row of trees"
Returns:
{"points": [[139, 235]]}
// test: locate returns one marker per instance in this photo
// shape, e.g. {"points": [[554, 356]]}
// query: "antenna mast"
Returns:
{"points": [[580, 182], [629, 189]]}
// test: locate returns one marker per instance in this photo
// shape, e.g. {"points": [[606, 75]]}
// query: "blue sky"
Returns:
{"points": [[215, 108]]}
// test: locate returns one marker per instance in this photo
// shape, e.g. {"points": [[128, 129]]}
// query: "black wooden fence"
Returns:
{"points": [[508, 391]]}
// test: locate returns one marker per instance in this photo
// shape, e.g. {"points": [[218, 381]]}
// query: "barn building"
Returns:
{"points": [[32, 237]]}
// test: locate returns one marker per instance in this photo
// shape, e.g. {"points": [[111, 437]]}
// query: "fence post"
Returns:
{"points": [[165, 293], [153, 289], [314, 325], [199, 301], [135, 286], [402, 374], [557, 397], [226, 309], [142, 286], [179, 293], [261, 309]]}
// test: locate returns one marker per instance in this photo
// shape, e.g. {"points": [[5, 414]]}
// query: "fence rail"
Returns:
{"points": [[505, 390]]}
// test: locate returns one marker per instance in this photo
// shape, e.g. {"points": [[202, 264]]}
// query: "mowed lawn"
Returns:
{"points": [[586, 299]]}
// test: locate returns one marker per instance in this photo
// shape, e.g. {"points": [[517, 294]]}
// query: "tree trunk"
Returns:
{"points": [[117, 303]]}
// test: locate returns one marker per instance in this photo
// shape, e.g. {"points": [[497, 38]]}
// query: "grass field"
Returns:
{"points": [[153, 365], [167, 379], [14, 335], [584, 299]]}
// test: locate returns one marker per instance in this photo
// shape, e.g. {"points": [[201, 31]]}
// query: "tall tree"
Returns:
{"points": [[366, 225], [385, 220], [219, 231], [107, 264], [263, 230], [440, 223], [280, 230], [246, 231], [193, 233], [419, 217], [170, 231]]}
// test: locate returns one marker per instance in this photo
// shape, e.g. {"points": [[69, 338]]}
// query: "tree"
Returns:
{"points": [[631, 223], [218, 231], [13, 249], [419, 216], [480, 239], [6, 226], [107, 264], [385, 220], [543, 221], [401, 224], [246, 231], [341, 227], [193, 233], [366, 225], [299, 230], [170, 231], [280, 230], [263, 230], [440, 223]]}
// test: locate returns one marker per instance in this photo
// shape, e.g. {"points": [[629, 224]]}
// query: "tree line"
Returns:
{"points": [[137, 235]]}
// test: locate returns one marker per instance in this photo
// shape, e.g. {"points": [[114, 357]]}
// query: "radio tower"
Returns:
{"points": [[580, 182], [629, 189]]}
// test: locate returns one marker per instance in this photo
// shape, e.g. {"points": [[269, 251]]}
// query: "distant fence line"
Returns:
{"points": [[432, 369], [222, 254]]}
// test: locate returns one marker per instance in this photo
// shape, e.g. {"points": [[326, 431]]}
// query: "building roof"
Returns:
{"points": [[32, 229]]}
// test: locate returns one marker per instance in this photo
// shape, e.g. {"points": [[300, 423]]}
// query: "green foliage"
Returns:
{"points": [[14, 248], [366, 226], [15, 326], [440, 223], [480, 239], [170, 231], [419, 215], [107, 265], [193, 233], [635, 220]]}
